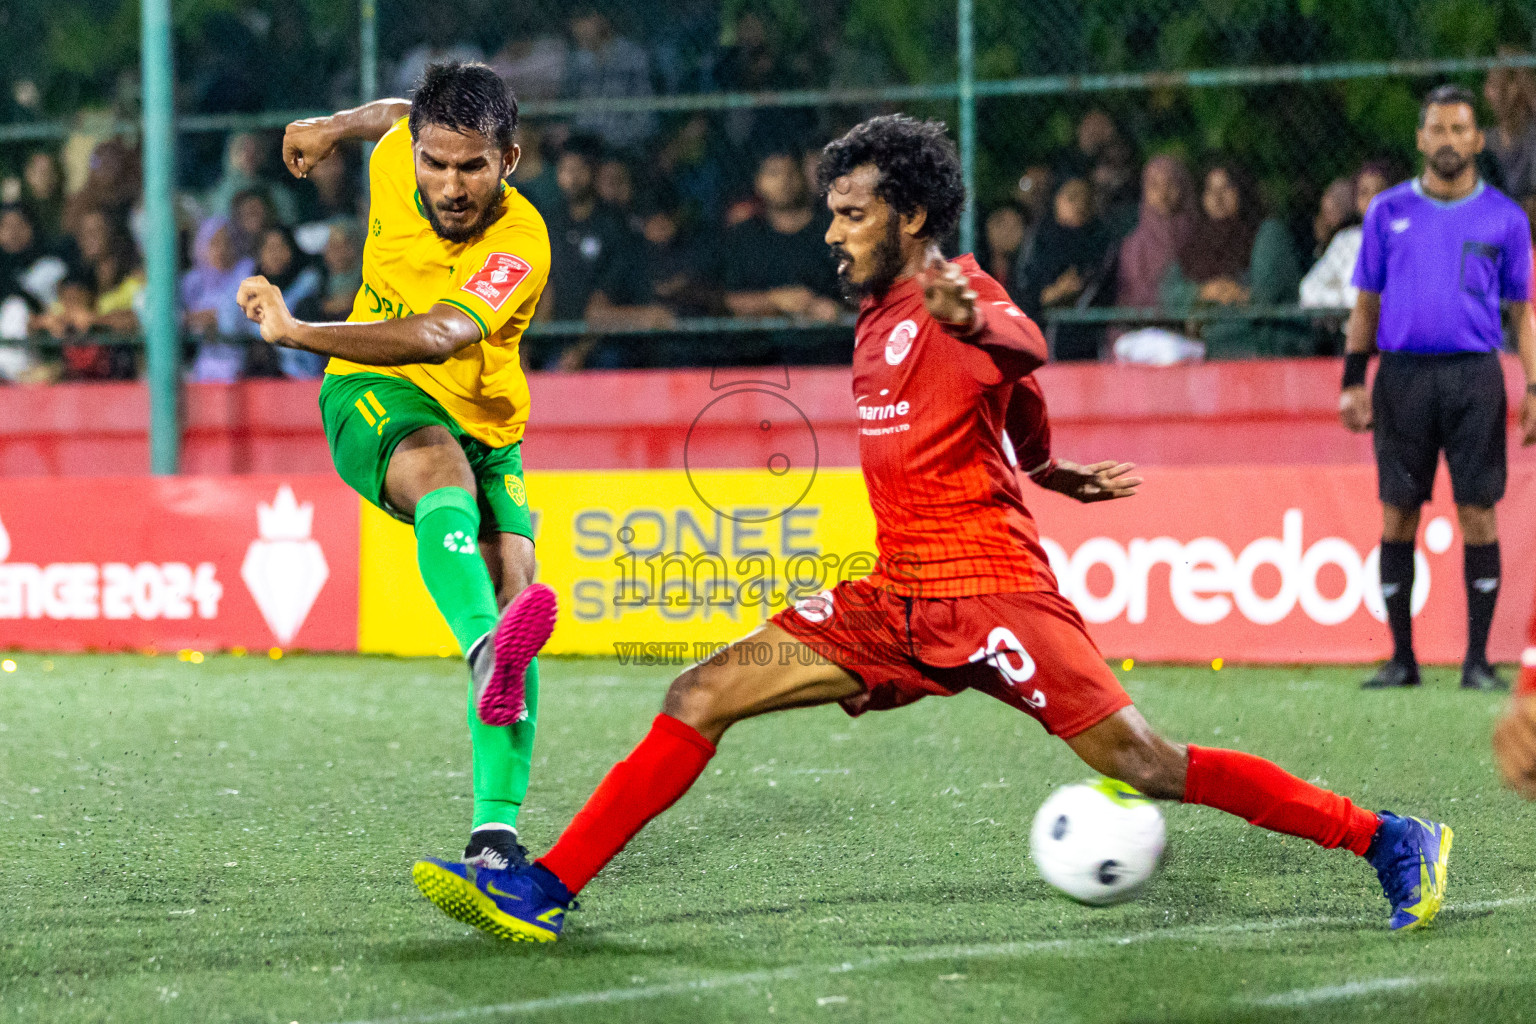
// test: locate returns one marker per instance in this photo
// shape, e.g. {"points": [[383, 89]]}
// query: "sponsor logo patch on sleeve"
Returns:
{"points": [[495, 282]]}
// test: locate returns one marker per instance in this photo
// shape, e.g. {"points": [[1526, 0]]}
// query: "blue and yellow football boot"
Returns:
{"points": [[509, 904], [1409, 855]]}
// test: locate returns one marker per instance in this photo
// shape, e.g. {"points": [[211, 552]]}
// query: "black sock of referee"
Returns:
{"points": [[1397, 590], [1481, 565]]}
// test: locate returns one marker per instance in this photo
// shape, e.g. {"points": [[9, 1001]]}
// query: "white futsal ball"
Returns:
{"points": [[1098, 842]]}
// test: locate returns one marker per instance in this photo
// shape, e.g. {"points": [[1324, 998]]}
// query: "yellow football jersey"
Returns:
{"points": [[494, 279]]}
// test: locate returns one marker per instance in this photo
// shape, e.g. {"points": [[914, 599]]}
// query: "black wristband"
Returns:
{"points": [[1530, 389], [1354, 368]]}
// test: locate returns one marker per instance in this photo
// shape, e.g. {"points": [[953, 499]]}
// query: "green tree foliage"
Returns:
{"points": [[1290, 135], [80, 52]]}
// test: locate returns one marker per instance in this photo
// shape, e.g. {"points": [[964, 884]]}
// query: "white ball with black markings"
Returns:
{"points": [[1097, 842]]}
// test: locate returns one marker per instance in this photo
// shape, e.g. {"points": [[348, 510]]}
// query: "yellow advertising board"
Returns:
{"points": [[687, 561]]}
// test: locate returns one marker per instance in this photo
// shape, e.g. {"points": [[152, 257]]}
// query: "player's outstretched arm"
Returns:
{"points": [[430, 337], [950, 298], [1028, 424], [310, 140], [1098, 481]]}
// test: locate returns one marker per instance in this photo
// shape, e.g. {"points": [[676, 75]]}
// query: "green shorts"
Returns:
{"points": [[367, 414]]}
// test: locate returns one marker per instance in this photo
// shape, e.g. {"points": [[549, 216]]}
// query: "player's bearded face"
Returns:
{"points": [[872, 267], [459, 177], [865, 235], [459, 220]]}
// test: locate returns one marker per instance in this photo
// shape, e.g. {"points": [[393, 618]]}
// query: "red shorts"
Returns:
{"points": [[1029, 650]]}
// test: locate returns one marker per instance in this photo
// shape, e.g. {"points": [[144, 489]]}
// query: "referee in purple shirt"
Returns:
{"points": [[1440, 254]]}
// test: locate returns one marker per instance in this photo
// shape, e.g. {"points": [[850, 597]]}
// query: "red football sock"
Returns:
{"points": [[652, 778], [1270, 797]]}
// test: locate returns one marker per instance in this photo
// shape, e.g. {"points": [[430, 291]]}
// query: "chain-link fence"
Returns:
{"points": [[691, 128], [1308, 108]]}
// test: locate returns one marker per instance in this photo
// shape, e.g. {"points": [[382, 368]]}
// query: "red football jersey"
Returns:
{"points": [[949, 515], [1029, 426], [1527, 683]]}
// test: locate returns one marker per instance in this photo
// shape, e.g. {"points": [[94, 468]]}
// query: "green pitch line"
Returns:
{"points": [[231, 841]]}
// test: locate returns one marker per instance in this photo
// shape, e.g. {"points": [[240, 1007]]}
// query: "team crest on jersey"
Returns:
{"points": [[515, 490], [900, 342], [494, 283]]}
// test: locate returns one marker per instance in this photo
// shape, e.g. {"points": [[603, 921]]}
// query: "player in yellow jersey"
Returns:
{"points": [[424, 400]]}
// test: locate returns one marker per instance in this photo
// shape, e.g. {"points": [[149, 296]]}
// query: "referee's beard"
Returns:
{"points": [[1447, 163]]}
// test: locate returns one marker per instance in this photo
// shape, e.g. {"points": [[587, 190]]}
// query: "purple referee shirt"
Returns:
{"points": [[1442, 268]]}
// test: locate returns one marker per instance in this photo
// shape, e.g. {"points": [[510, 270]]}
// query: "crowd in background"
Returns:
{"points": [[655, 219], [72, 266]]}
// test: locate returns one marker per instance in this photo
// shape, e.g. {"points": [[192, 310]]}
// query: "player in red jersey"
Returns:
{"points": [[1514, 738], [962, 596]]}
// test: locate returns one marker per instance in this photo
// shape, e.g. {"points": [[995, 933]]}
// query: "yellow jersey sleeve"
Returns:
{"points": [[502, 275]]}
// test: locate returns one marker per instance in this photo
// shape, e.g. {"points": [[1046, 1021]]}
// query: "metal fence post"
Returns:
{"points": [[368, 66], [159, 141], [967, 87], [368, 50]]}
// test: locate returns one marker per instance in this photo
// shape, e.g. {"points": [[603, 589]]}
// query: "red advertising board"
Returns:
{"points": [[121, 563], [1274, 564], [1244, 563]]}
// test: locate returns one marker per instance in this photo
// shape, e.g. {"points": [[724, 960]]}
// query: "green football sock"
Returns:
{"points": [[448, 552], [503, 757]]}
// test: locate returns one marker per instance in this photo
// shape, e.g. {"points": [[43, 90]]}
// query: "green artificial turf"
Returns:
{"points": [[231, 841]]}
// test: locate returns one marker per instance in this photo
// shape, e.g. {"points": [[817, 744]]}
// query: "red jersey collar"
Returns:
{"points": [[907, 286]]}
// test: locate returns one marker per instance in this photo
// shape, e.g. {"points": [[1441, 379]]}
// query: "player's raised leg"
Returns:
{"points": [[700, 705], [430, 478], [1039, 659], [1409, 854], [506, 696]]}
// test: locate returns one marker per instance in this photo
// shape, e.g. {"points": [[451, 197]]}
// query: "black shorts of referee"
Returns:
{"points": [[1426, 404]]}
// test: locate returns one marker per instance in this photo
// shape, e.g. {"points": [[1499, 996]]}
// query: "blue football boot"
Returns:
{"points": [[509, 904], [1410, 855]]}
